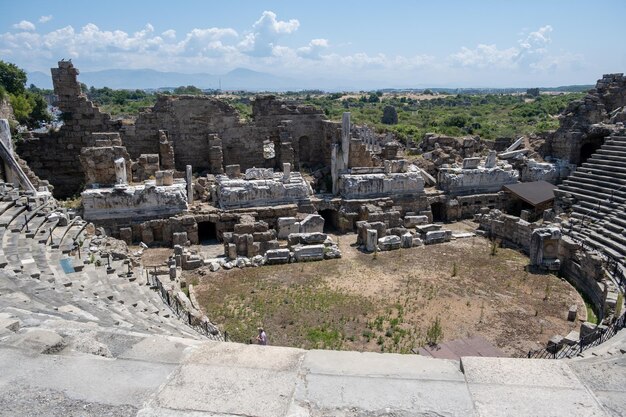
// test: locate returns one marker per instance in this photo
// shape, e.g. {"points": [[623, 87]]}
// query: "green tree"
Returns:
{"points": [[21, 108], [390, 116], [190, 89], [12, 78]]}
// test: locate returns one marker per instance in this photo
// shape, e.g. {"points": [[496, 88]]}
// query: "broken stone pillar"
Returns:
{"points": [[334, 168], [286, 171], [188, 175], [120, 171], [166, 152], [168, 177], [406, 240], [216, 155], [345, 138], [158, 178], [372, 240], [491, 159], [544, 248], [233, 171]]}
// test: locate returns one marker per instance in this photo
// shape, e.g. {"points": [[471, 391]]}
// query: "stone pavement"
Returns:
{"points": [[159, 376]]}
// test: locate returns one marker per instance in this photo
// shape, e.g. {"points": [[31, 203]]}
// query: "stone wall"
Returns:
{"points": [[465, 207], [203, 132], [98, 164], [477, 180], [55, 157], [579, 123], [134, 203], [6, 111]]}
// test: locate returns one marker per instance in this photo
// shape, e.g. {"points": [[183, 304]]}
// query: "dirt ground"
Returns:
{"points": [[388, 301]]}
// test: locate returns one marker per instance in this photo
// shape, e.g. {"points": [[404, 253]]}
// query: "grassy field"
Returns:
{"points": [[390, 301]]}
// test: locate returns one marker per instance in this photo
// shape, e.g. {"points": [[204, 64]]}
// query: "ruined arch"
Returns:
{"points": [[587, 148]]}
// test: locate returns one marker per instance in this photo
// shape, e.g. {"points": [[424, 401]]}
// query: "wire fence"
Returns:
{"points": [[203, 326], [561, 351]]}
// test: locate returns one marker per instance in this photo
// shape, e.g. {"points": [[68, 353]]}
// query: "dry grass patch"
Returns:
{"points": [[389, 302]]}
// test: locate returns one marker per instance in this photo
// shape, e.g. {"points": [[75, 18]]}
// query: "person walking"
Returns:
{"points": [[261, 339]]}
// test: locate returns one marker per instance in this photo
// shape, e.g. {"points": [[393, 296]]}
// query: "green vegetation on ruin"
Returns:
{"points": [[488, 115], [29, 105]]}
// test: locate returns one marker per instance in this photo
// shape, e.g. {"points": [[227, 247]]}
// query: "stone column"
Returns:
{"points": [[372, 240], [491, 160], [334, 168], [120, 172], [345, 138], [189, 184], [286, 171]]}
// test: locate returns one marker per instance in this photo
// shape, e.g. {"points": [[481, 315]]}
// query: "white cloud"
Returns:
{"points": [[314, 49], [531, 53], [265, 33], [169, 34], [44, 19], [484, 56], [24, 25], [261, 48]]}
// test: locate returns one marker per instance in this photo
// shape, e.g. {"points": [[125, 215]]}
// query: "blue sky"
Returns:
{"points": [[388, 44]]}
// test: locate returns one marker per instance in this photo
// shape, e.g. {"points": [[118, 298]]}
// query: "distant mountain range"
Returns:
{"points": [[237, 79], [243, 79]]}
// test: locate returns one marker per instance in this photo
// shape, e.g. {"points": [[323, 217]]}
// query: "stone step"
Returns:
{"points": [[607, 160], [605, 151], [584, 184], [590, 196], [608, 168], [598, 176], [618, 139], [617, 248], [5, 205], [10, 214], [606, 182], [600, 170], [28, 216], [614, 227], [616, 220]]}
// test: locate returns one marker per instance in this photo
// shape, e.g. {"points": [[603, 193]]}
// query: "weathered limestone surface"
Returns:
{"points": [[238, 193], [380, 185], [476, 180], [551, 172], [99, 164], [544, 248], [134, 202]]}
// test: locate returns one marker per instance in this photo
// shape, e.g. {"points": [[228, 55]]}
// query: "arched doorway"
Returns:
{"points": [[207, 233], [439, 211], [588, 148], [330, 220]]}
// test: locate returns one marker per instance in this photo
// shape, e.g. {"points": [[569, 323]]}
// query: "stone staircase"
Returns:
{"points": [[596, 195], [45, 274]]}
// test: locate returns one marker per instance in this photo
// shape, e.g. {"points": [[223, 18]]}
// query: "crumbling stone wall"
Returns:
{"points": [[205, 131], [438, 150], [98, 164], [6, 110], [200, 131], [55, 156], [589, 120]]}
